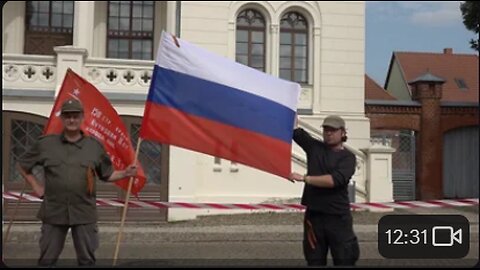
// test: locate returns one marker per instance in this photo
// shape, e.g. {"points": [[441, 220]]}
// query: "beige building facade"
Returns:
{"points": [[327, 54]]}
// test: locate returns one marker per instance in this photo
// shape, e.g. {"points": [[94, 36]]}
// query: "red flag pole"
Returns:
{"points": [[125, 207]]}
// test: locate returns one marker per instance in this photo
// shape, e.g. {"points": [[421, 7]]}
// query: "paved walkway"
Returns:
{"points": [[268, 239]]}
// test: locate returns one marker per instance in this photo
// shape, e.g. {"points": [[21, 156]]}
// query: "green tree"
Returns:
{"points": [[471, 17]]}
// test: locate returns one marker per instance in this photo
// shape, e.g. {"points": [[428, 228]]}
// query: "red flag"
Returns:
{"points": [[101, 122]]}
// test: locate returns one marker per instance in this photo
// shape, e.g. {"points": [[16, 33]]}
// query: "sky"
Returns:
{"points": [[412, 26]]}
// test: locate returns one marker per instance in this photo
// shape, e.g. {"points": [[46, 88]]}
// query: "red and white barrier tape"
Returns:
{"points": [[258, 206]]}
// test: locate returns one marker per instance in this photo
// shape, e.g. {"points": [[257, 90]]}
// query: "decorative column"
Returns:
{"points": [[427, 89], [379, 173], [171, 14], [231, 40], [274, 53], [13, 26], [316, 95], [68, 57], [83, 25]]}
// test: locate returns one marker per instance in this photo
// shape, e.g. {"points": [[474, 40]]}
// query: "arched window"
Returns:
{"points": [[48, 24], [294, 47], [250, 39], [130, 29]]}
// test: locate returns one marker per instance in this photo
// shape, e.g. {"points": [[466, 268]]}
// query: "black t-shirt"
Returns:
{"points": [[322, 160]]}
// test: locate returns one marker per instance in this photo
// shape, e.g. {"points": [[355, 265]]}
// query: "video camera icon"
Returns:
{"points": [[446, 236]]}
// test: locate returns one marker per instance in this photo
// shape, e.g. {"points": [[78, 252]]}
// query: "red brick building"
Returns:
{"points": [[429, 111]]}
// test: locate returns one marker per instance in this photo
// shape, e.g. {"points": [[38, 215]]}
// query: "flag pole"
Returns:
{"points": [[7, 233], [125, 207]]}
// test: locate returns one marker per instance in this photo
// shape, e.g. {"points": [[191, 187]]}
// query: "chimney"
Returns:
{"points": [[447, 51]]}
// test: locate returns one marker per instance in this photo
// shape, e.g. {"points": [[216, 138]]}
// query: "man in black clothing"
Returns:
{"points": [[328, 221]]}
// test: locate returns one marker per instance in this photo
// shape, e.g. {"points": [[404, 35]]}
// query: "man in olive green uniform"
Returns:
{"points": [[72, 162]]}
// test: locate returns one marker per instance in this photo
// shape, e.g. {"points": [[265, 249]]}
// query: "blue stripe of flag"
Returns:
{"points": [[221, 103]]}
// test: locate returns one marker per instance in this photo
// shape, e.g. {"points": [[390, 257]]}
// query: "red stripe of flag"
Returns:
{"points": [[171, 126]]}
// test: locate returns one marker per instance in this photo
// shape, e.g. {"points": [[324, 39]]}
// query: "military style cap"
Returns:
{"points": [[334, 122], [72, 105]]}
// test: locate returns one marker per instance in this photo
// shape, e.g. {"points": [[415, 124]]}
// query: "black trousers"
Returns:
{"points": [[324, 232], [52, 240]]}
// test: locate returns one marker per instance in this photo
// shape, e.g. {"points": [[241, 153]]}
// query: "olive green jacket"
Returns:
{"points": [[67, 199]]}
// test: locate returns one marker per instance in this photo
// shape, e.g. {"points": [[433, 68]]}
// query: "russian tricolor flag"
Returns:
{"points": [[210, 104]]}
